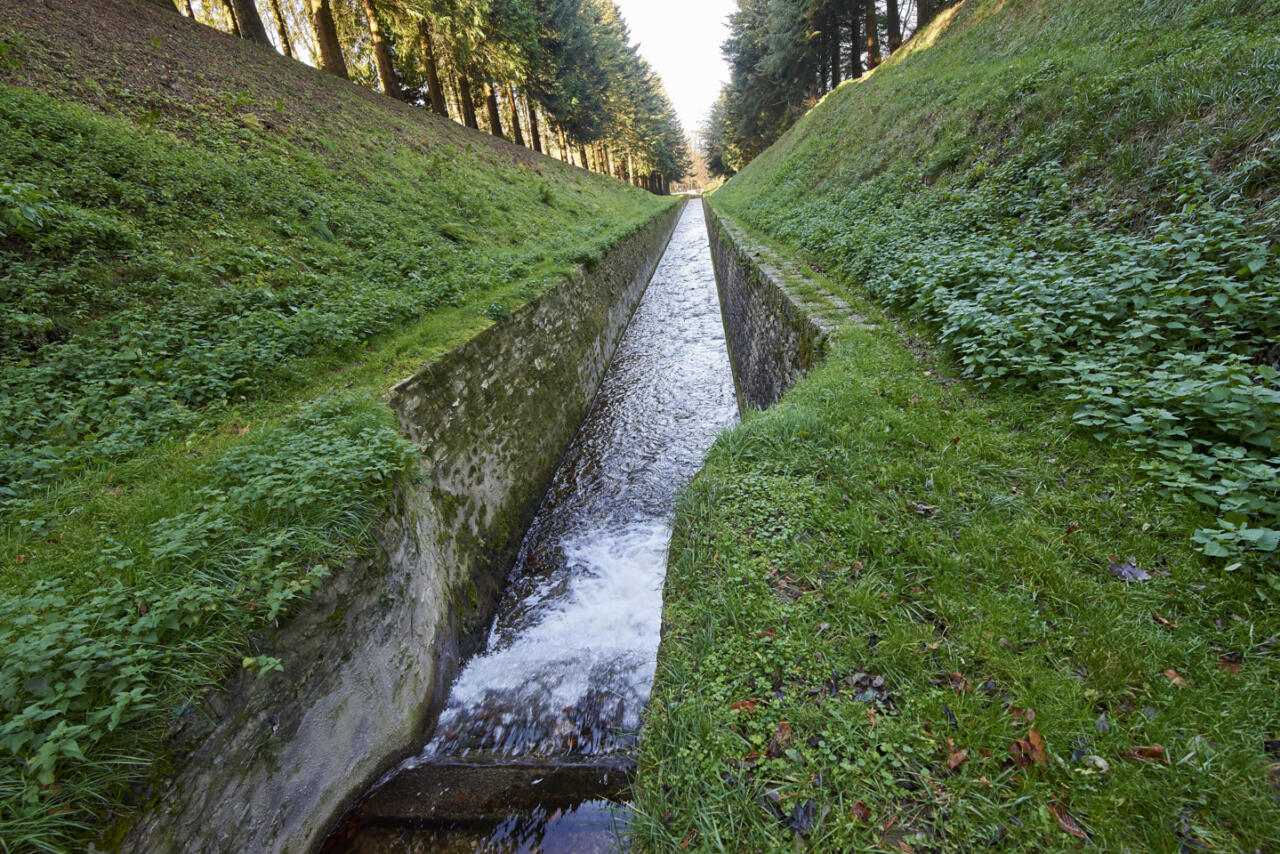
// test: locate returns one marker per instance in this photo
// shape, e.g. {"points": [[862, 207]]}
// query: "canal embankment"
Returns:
{"points": [[227, 261], [367, 661], [538, 733]]}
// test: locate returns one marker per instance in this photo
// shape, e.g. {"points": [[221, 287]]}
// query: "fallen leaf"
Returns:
{"points": [[871, 716], [1232, 662], [22, 558], [768, 633], [1165, 621], [1038, 753], [1128, 571], [1021, 714], [959, 683], [1066, 822], [925, 510], [802, 816], [955, 758], [1176, 678], [861, 812], [1071, 529], [1098, 762], [1149, 753], [745, 706], [782, 738], [1021, 752]]}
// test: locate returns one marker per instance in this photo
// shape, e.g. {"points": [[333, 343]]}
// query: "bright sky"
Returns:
{"points": [[681, 39]]}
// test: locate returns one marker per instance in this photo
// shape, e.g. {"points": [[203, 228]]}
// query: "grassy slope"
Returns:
{"points": [[201, 238], [897, 517]]}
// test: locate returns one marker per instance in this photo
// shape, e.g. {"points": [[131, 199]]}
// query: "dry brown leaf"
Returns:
{"points": [[1038, 753], [1149, 753], [782, 738], [745, 706], [1176, 678], [1232, 667], [1020, 714], [1066, 822], [955, 758], [1165, 621], [861, 812], [871, 716], [1021, 752]]}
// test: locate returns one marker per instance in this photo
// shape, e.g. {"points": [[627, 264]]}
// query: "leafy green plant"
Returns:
{"points": [[1147, 294], [277, 511], [23, 209]]}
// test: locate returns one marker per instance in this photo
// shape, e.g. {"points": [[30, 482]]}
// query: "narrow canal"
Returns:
{"points": [[532, 744]]}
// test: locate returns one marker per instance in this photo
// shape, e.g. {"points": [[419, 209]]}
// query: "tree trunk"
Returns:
{"points": [[835, 50], [281, 29], [331, 59], [582, 150], [191, 13], [895, 25], [495, 117], [564, 146], [534, 136], [855, 39], [873, 36], [434, 92], [516, 133], [231, 13], [250, 24], [381, 54], [468, 102]]}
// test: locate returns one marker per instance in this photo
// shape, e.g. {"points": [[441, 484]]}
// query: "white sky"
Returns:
{"points": [[681, 39]]}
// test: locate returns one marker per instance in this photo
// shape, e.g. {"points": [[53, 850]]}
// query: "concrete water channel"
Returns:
{"points": [[531, 751]]}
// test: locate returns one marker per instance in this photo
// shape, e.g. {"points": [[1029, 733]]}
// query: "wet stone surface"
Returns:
{"points": [[570, 658]]}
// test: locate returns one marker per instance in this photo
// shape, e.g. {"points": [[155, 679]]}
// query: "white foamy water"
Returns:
{"points": [[570, 659]]}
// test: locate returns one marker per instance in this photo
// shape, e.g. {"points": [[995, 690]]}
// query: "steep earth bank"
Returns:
{"points": [[1000, 572], [217, 263]]}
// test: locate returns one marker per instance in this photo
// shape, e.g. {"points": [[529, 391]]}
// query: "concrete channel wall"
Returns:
{"points": [[774, 336], [268, 764]]}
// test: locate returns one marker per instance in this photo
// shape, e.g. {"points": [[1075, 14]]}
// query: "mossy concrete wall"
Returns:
{"points": [[269, 763], [774, 335]]}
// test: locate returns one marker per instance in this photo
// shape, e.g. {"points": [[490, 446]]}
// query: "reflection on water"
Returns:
{"points": [[570, 659]]}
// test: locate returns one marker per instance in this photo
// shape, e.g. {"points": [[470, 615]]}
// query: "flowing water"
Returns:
{"points": [[570, 659]]}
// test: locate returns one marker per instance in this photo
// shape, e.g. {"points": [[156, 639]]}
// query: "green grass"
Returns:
{"points": [[1097, 223], [207, 294], [890, 519], [1060, 219]]}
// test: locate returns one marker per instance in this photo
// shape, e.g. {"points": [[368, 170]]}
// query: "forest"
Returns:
{"points": [[558, 76], [784, 55]]}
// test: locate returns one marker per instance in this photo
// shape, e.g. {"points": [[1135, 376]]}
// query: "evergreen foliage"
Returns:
{"points": [[560, 75]]}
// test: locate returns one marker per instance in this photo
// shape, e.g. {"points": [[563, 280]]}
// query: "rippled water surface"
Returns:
{"points": [[570, 659]]}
